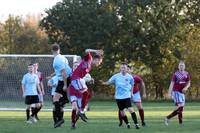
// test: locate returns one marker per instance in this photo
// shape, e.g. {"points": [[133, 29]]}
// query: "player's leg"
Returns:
{"points": [[132, 112], [179, 100], [121, 106], [74, 111], [41, 101], [57, 106], [56, 101], [28, 107], [138, 101], [120, 118]]}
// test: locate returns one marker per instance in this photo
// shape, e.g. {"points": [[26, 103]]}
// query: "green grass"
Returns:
{"points": [[103, 119]]}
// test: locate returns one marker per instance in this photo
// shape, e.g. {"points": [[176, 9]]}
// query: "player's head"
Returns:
{"points": [[75, 65], [55, 48], [30, 68], [35, 66], [123, 68], [181, 66], [97, 60]]}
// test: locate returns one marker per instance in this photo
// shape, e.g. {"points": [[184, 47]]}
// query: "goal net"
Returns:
{"points": [[12, 69]]}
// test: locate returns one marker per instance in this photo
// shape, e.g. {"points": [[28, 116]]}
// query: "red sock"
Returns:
{"points": [[88, 97], [84, 100], [73, 116], [141, 112], [180, 115], [120, 117]]}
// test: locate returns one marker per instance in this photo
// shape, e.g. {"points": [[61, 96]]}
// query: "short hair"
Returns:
{"points": [[97, 56], [31, 64], [124, 63], [55, 47]]}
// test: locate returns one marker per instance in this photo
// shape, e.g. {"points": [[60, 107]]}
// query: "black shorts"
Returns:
{"points": [[59, 89], [31, 99], [123, 103]]}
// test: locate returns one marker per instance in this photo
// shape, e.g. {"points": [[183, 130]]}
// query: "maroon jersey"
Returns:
{"points": [[40, 76], [180, 80], [83, 68], [137, 81]]}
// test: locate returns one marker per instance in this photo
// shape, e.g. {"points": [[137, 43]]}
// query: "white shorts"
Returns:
{"points": [[136, 97], [79, 84], [41, 98], [179, 98], [75, 99]]}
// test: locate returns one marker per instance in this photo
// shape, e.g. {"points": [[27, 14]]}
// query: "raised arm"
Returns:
{"points": [[98, 52]]}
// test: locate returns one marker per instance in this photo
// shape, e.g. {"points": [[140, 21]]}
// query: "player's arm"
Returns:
{"points": [[98, 52], [49, 77], [170, 88], [23, 88], [64, 75], [187, 86], [143, 88], [39, 89], [105, 82], [42, 87]]}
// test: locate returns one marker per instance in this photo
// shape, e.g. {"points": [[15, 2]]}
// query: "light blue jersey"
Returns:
{"points": [[123, 85], [54, 82], [30, 82], [60, 63]]}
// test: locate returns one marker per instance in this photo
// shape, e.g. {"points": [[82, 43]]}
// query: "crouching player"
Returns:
{"points": [[30, 90], [179, 85]]}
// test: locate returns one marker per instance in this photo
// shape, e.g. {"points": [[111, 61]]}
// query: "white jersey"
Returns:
{"points": [[30, 82], [123, 85]]}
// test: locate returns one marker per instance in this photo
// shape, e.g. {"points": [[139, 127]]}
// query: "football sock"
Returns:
{"points": [[57, 110], [180, 115], [125, 119], [120, 117], [141, 113], [134, 117], [73, 116], [27, 114]]}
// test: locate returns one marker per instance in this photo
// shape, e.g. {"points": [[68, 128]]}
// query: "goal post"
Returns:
{"points": [[12, 69]]}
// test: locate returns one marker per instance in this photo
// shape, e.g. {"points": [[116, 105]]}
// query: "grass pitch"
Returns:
{"points": [[103, 119]]}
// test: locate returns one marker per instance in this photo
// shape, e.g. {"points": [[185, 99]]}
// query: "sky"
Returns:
{"points": [[24, 7]]}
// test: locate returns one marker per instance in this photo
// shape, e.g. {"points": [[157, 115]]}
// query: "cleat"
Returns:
{"points": [[143, 124], [82, 116], [128, 126], [120, 124], [33, 119], [36, 117], [73, 126], [29, 122], [59, 123], [85, 116], [166, 121], [137, 126]]}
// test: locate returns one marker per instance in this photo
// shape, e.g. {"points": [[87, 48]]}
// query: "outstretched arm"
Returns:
{"points": [[98, 52]]}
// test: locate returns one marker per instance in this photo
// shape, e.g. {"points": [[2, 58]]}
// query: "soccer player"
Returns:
{"points": [[78, 88], [30, 90], [139, 85], [178, 87], [41, 99], [62, 71], [123, 82]]}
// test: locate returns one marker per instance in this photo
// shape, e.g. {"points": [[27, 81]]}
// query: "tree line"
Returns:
{"points": [[151, 35]]}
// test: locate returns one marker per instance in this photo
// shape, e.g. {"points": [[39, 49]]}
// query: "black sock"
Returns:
{"points": [[57, 110], [134, 117], [27, 114], [54, 116], [33, 110], [125, 119], [62, 114], [37, 110]]}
